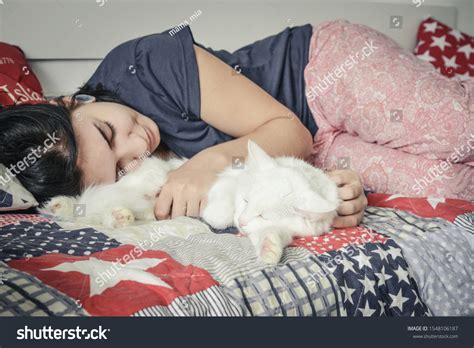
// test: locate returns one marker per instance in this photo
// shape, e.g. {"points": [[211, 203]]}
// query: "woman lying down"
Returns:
{"points": [[229, 133]]}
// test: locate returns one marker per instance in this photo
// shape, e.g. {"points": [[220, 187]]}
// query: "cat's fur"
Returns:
{"points": [[269, 199]]}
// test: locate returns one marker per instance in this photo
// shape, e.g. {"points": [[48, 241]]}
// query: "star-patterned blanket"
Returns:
{"points": [[410, 257]]}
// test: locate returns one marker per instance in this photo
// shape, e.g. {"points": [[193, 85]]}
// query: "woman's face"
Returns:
{"points": [[110, 137]]}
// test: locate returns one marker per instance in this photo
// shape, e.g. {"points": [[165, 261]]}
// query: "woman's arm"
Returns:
{"points": [[235, 105]]}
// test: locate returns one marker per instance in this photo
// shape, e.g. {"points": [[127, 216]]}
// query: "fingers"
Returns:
{"points": [[343, 176], [193, 207], [347, 221], [350, 213], [351, 210], [178, 208], [163, 204], [351, 191], [353, 206], [336, 176], [202, 206], [186, 202], [169, 205]]}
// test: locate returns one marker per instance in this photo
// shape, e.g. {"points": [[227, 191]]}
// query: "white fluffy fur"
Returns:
{"points": [[271, 200]]}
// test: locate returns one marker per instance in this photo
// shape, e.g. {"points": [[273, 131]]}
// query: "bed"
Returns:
{"points": [[410, 257]]}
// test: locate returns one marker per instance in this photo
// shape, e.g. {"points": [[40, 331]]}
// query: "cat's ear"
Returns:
{"points": [[257, 157]]}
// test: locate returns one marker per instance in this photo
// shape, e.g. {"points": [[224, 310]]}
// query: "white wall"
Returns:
{"points": [[465, 13], [465, 10], [65, 39]]}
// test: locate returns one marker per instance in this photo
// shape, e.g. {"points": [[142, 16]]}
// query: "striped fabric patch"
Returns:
{"points": [[465, 221], [210, 302]]}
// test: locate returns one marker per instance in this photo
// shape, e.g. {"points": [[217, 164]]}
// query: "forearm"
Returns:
{"points": [[279, 137]]}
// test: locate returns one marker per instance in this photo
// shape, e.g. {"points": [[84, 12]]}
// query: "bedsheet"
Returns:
{"points": [[410, 257]]}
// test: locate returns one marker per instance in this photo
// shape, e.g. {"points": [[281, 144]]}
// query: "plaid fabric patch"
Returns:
{"points": [[23, 295], [290, 289]]}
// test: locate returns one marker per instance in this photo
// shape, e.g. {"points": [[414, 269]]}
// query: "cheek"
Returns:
{"points": [[149, 123], [153, 126]]}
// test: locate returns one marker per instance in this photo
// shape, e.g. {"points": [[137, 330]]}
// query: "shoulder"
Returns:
{"points": [[131, 56], [168, 46]]}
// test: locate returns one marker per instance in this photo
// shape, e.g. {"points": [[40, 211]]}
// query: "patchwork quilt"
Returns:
{"points": [[410, 257]]}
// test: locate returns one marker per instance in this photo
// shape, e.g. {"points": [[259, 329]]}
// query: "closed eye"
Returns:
{"points": [[108, 132]]}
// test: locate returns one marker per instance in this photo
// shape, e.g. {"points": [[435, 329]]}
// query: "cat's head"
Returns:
{"points": [[271, 193]]}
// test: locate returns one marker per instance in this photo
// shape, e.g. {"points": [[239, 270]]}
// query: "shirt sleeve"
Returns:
{"points": [[158, 76], [168, 67]]}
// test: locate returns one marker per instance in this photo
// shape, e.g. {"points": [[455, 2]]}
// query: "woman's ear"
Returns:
{"points": [[79, 99], [83, 98]]}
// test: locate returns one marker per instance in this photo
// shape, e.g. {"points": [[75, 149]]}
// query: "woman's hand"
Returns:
{"points": [[351, 191], [185, 192]]}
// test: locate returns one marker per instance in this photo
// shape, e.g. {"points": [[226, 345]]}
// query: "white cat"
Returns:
{"points": [[269, 199]]}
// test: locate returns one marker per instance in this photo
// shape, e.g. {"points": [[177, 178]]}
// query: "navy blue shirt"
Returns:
{"points": [[157, 75]]}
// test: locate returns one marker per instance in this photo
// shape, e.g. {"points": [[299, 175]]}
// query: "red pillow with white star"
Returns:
{"points": [[450, 51]]}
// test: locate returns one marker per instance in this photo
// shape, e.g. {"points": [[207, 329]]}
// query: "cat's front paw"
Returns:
{"points": [[119, 217], [219, 214], [61, 207], [269, 248]]}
